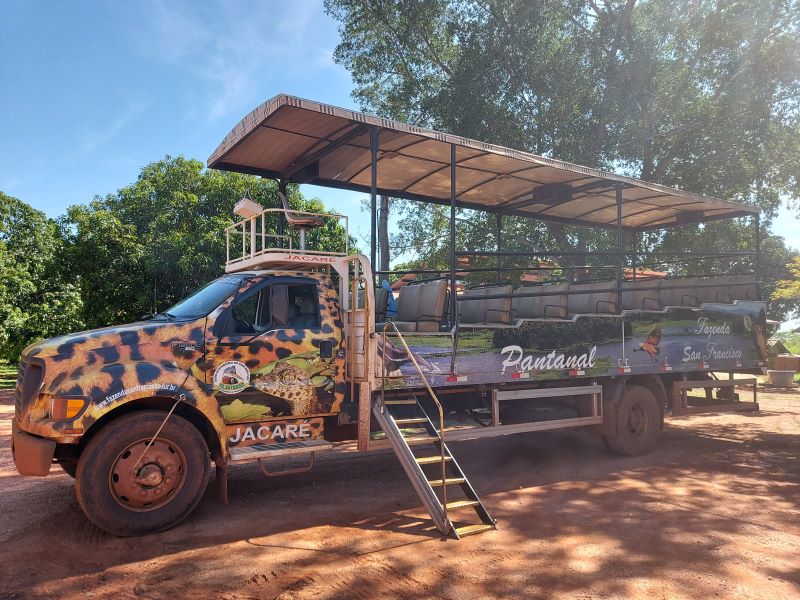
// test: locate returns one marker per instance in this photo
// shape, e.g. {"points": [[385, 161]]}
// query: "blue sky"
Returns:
{"points": [[92, 91]]}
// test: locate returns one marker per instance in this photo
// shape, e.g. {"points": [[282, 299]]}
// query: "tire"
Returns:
{"points": [[70, 468], [638, 423], [125, 498]]}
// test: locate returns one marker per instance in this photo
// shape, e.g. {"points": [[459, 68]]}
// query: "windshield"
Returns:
{"points": [[204, 300]]}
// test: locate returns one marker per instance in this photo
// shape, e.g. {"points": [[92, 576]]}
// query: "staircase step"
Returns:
{"points": [[448, 481], [473, 529], [397, 402], [420, 438], [461, 504], [282, 449], [427, 460], [400, 422]]}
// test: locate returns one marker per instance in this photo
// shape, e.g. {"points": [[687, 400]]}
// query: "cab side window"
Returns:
{"points": [[274, 306], [251, 315], [303, 306]]}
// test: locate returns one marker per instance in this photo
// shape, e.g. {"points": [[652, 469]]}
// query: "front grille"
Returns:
{"points": [[29, 379]]}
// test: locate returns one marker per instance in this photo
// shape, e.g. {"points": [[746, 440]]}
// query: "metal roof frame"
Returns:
{"points": [[292, 139]]}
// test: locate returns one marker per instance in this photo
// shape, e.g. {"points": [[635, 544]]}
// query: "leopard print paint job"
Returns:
{"points": [[113, 366], [287, 375]]}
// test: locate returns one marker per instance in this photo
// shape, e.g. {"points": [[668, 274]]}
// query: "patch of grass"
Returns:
{"points": [[8, 375]]}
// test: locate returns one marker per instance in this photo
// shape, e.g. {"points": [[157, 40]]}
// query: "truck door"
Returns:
{"points": [[272, 353]]}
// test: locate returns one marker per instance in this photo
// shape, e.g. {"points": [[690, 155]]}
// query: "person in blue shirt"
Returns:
{"points": [[391, 307]]}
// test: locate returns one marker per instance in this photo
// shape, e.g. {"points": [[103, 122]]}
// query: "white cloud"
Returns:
{"points": [[233, 47], [102, 133]]}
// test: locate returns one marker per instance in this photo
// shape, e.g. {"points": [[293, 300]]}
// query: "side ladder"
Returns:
{"points": [[428, 471]]}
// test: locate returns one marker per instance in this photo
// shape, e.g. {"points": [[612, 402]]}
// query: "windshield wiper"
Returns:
{"points": [[166, 315]]}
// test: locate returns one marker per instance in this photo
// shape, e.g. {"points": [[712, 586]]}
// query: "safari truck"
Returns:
{"points": [[292, 351]]}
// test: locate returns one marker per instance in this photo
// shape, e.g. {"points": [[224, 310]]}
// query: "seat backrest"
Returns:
{"points": [[535, 307], [381, 304], [641, 294], [579, 303], [745, 292], [715, 289], [604, 298], [678, 291], [297, 220], [474, 309], [431, 300], [589, 298], [408, 303]]}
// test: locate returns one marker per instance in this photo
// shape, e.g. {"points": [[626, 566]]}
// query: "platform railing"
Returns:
{"points": [[255, 239]]}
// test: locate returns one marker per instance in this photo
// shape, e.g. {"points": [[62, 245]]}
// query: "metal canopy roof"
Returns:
{"points": [[309, 142]]}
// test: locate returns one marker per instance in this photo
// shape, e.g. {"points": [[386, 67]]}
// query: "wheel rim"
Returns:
{"points": [[151, 483], [637, 420]]}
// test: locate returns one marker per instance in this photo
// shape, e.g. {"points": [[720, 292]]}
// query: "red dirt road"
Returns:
{"points": [[713, 512]]}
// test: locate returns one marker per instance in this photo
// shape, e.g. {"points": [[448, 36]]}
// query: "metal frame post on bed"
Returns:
{"points": [[373, 191], [453, 299]]}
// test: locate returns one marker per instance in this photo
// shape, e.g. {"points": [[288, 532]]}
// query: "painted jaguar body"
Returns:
{"points": [[168, 360]]}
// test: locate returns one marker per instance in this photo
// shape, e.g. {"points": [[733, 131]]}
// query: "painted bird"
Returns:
{"points": [[650, 344]]}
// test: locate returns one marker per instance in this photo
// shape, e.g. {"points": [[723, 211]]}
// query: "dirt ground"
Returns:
{"points": [[713, 512]]}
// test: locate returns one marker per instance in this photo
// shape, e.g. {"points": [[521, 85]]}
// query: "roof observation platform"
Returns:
{"points": [[253, 244]]}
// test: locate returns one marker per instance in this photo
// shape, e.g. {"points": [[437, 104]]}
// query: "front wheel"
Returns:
{"points": [[638, 423], [128, 489]]}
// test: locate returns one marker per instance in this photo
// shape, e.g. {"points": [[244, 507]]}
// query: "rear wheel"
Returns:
{"points": [[128, 488], [638, 423]]}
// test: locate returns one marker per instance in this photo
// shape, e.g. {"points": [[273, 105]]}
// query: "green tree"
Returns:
{"points": [[36, 301], [140, 250], [105, 258], [697, 94], [789, 288]]}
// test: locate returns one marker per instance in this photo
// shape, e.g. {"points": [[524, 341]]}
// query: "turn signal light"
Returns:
{"points": [[66, 408]]}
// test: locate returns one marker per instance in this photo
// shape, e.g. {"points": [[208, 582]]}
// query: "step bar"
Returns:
{"points": [[281, 449]]}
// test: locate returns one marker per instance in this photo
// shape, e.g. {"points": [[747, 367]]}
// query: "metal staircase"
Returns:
{"points": [[429, 472]]}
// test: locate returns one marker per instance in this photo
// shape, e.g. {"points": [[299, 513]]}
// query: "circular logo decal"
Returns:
{"points": [[231, 377]]}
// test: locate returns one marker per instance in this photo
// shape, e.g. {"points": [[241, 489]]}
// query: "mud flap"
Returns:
{"points": [[221, 477], [612, 393]]}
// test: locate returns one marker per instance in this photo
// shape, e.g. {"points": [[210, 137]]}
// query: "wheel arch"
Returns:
{"points": [[614, 389], [164, 404]]}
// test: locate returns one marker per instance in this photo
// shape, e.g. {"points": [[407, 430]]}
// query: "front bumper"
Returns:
{"points": [[32, 455]]}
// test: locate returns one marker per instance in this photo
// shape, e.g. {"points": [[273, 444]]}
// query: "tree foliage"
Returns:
{"points": [[126, 255], [698, 94], [789, 288], [36, 299]]}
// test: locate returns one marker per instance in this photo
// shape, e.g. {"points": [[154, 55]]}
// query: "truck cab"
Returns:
{"points": [[255, 360]]}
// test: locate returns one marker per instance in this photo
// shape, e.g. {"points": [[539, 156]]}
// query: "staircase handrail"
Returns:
{"points": [[433, 396]]}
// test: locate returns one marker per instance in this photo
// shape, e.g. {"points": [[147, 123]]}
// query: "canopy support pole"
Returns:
{"points": [[281, 216], [620, 248], [453, 299], [498, 226], [373, 185], [757, 223]]}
